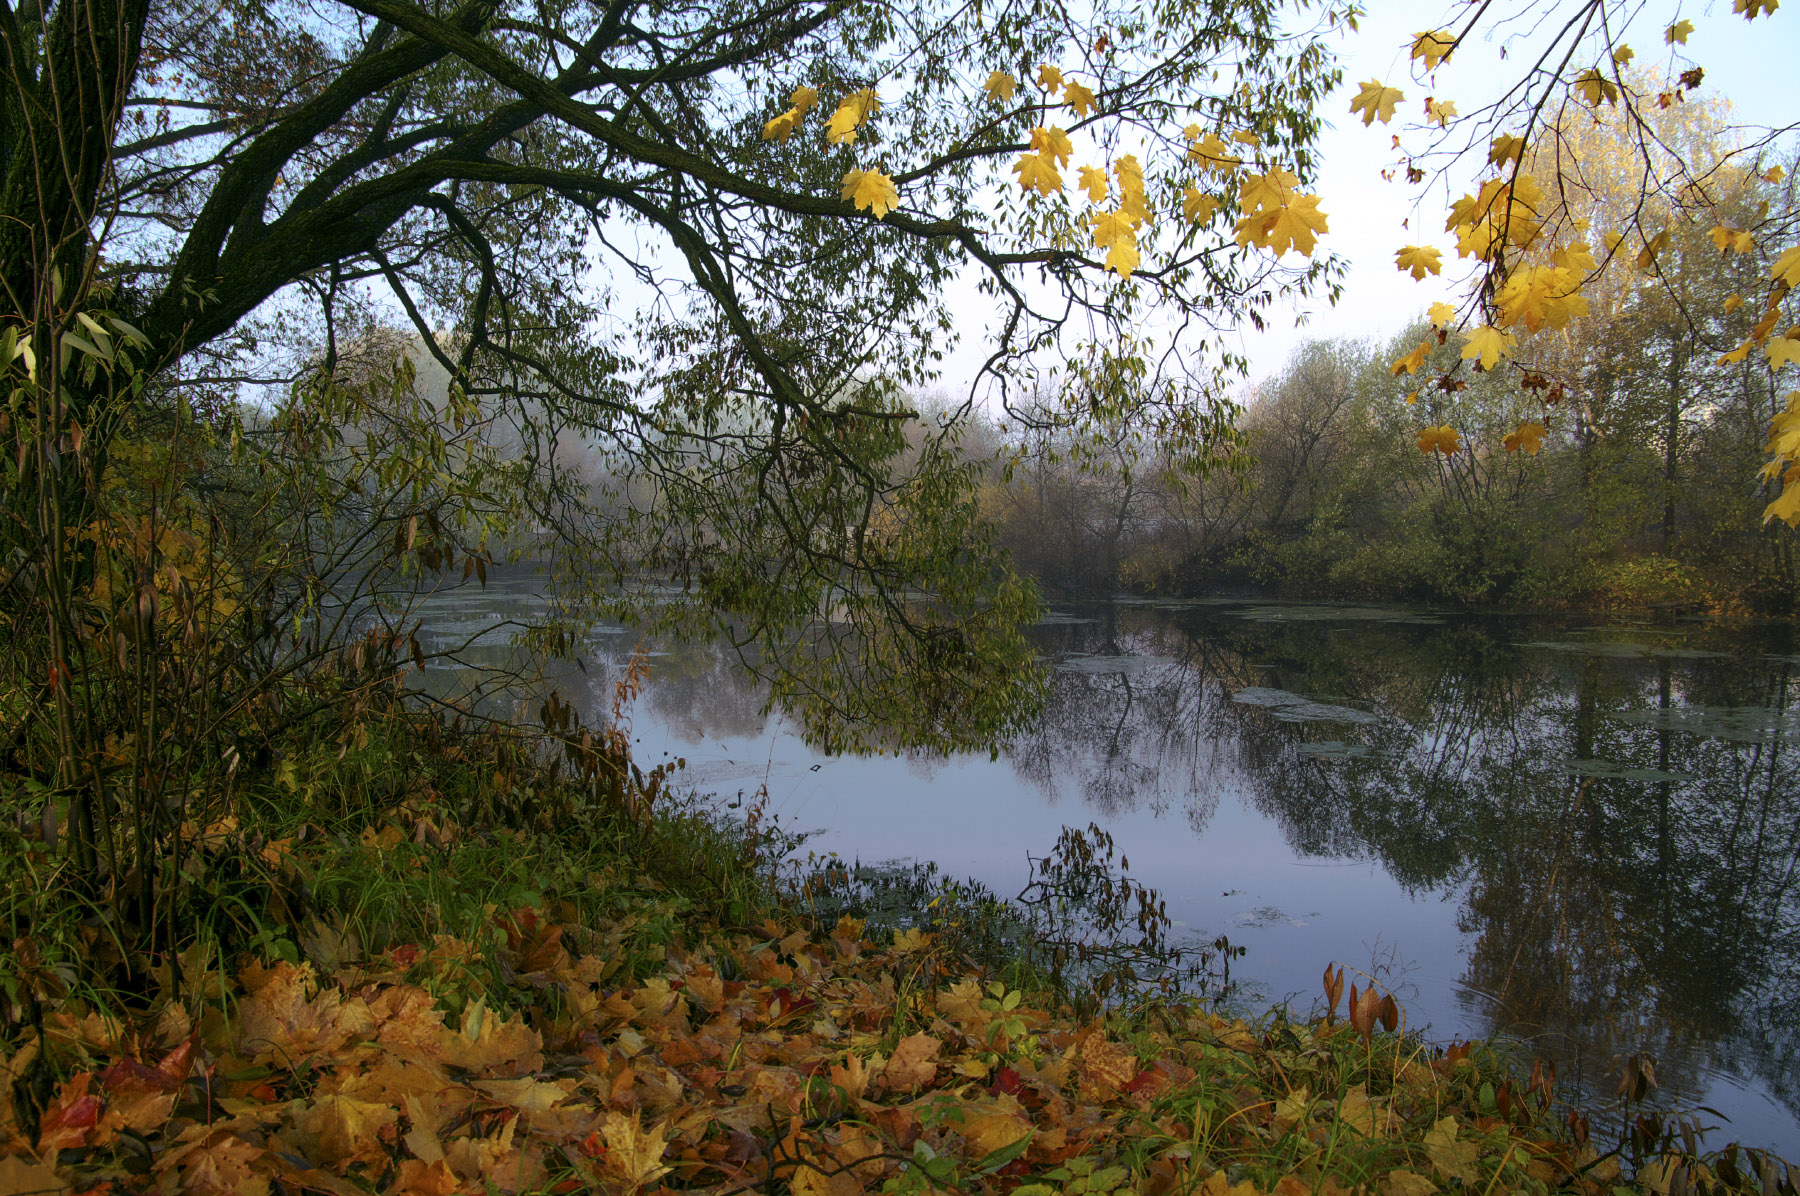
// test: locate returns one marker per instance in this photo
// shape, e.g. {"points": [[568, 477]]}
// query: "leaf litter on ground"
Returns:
{"points": [[656, 1052]]}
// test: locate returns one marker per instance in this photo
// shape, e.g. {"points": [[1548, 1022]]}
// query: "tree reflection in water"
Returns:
{"points": [[1628, 877], [1616, 811]]}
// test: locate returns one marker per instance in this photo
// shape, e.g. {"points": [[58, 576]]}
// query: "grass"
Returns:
{"points": [[477, 975]]}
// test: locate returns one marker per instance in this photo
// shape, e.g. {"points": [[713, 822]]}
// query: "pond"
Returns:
{"points": [[1582, 833]]}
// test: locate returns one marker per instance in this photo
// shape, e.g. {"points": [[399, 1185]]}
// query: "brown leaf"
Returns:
{"points": [[633, 1153], [424, 1179], [993, 1132], [217, 1163], [914, 1063], [525, 1094], [73, 1118], [1107, 1066], [339, 1130], [852, 1076], [282, 1022], [17, 1175]]}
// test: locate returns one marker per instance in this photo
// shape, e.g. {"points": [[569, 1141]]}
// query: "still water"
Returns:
{"points": [[1580, 833]]}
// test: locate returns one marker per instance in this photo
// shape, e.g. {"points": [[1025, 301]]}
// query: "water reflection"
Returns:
{"points": [[1608, 820]]}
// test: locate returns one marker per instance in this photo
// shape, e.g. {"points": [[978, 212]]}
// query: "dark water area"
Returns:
{"points": [[1580, 833]]}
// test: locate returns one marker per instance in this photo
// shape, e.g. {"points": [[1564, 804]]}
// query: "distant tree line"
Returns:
{"points": [[1626, 472]]}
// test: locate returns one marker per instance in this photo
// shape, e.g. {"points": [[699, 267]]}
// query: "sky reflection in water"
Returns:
{"points": [[1583, 835]]}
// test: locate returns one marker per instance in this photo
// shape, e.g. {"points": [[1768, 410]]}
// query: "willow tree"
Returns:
{"points": [[713, 243]]}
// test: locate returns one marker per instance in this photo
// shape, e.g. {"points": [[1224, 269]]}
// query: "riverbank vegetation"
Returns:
{"points": [[602, 989]]}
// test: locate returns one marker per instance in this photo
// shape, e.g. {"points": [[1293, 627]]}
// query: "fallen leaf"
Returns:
{"points": [[914, 1063]]}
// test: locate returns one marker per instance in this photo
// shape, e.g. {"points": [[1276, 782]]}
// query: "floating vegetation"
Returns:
{"points": [[1122, 665], [1734, 724], [1338, 614], [1334, 749], [1613, 650], [1609, 770], [1294, 708]]}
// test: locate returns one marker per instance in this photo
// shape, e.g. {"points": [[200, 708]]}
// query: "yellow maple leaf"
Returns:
{"points": [[1440, 314], [1413, 362], [1440, 111], [1576, 257], [1052, 141], [1412, 399], [1433, 46], [1528, 438], [1356, 1112], [1093, 181], [1079, 98], [1123, 257], [1784, 431], [1787, 267], [1419, 259], [782, 127], [1000, 86], [1293, 225], [1269, 190], [1781, 351], [1401, 1182], [1487, 344], [1733, 302], [1646, 257], [1038, 173], [633, 1153], [1787, 507], [1211, 151], [852, 111], [1506, 148], [871, 189], [1623, 55], [1774, 174], [1376, 102], [1677, 34], [1293, 1108], [803, 99], [995, 1131], [1738, 355], [1131, 187], [1539, 297], [1247, 137], [1452, 1159], [1050, 78], [1596, 88], [1443, 439], [1108, 227], [1198, 206], [1751, 9]]}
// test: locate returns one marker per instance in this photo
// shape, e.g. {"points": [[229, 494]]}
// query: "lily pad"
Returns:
{"points": [[1294, 708], [1337, 614], [1733, 724], [1622, 650], [1610, 770], [1125, 665], [1334, 749]]}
